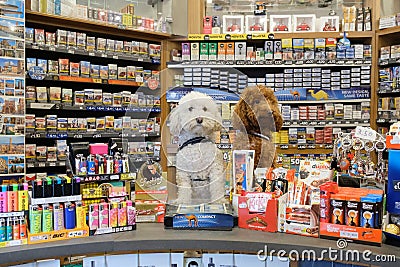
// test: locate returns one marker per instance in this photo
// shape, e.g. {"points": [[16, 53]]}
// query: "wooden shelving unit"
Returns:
{"points": [[51, 23]]}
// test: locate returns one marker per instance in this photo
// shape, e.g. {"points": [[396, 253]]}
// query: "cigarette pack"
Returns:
{"points": [[131, 73], [63, 66], [107, 99], [135, 47], [85, 68], [40, 124], [50, 38], [66, 96], [42, 63], [110, 45], [41, 153], [51, 122], [41, 94], [91, 124], [89, 96], [90, 43], [30, 94], [94, 71], [52, 153], [121, 73], [52, 66], [30, 62], [40, 37], [61, 146], [82, 124], [143, 48], [62, 124], [119, 46], [97, 96], [194, 51], [61, 38], [55, 94], [29, 35], [127, 47], [79, 99], [139, 74], [104, 72], [30, 121], [81, 40], [71, 38], [72, 124], [30, 151], [112, 71], [117, 100], [101, 44], [100, 124], [74, 69]]}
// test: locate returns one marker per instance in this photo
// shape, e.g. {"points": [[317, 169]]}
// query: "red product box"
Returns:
{"points": [[207, 24], [266, 221]]}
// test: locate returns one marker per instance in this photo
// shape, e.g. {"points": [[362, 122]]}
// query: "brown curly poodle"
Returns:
{"points": [[256, 116]]}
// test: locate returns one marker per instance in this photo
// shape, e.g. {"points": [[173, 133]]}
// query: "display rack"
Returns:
{"points": [[78, 53]]}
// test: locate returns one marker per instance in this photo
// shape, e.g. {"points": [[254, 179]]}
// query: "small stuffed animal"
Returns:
{"points": [[256, 116]]}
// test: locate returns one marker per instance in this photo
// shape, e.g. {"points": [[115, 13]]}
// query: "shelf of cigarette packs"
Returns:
{"points": [[13, 213]]}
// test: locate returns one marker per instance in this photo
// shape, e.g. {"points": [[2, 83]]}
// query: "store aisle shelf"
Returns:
{"points": [[99, 108], [92, 26]]}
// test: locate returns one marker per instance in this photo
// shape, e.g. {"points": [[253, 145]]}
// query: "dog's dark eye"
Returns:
{"points": [[256, 101], [191, 108], [204, 108]]}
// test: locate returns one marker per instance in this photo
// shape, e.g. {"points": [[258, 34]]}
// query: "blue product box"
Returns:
{"points": [[393, 187]]}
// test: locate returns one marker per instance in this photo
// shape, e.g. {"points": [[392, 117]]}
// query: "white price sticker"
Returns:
{"points": [[365, 133], [345, 234]]}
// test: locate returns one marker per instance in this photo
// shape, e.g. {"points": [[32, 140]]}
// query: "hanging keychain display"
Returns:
{"points": [[348, 159]]}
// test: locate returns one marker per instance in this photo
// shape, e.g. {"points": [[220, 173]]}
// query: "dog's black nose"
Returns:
{"points": [[199, 120]]}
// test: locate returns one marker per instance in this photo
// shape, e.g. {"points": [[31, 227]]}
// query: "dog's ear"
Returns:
{"points": [[175, 126], [277, 118], [239, 116]]}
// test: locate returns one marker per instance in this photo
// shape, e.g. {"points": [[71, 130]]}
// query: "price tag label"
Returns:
{"points": [[115, 57], [365, 133], [71, 51], [77, 136], [92, 54]]}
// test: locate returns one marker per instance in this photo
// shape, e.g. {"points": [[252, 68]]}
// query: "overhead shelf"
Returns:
{"points": [[93, 26], [389, 31]]}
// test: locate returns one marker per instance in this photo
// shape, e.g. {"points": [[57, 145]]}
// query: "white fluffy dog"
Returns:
{"points": [[199, 163]]}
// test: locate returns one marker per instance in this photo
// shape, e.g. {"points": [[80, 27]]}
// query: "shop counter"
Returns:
{"points": [[153, 237]]}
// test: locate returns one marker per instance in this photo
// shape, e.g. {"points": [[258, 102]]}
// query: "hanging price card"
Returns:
{"points": [[365, 133]]}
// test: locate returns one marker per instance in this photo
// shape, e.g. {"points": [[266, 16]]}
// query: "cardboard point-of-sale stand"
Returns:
{"points": [[262, 221], [57, 235], [358, 234]]}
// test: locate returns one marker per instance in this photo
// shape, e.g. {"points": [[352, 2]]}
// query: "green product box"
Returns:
{"points": [[203, 51], [212, 51]]}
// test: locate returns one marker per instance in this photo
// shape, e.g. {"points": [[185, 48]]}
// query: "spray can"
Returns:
{"points": [[58, 216], [22, 227], [9, 229], [80, 215], [131, 212], [114, 214], [47, 218], [35, 222], [3, 232], [70, 215], [91, 168], [15, 228]]}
